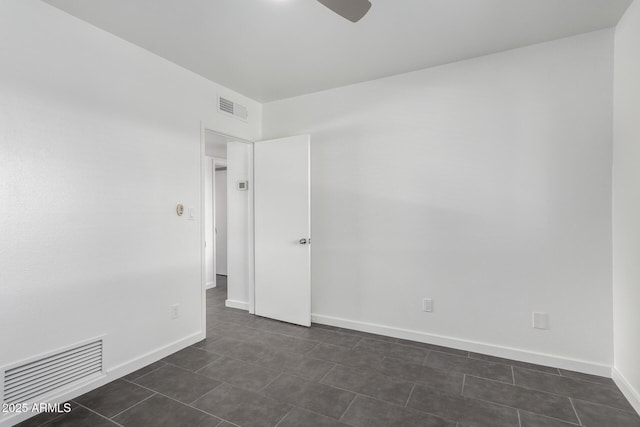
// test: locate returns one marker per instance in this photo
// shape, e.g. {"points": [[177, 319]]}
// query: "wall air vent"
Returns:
{"points": [[227, 106], [30, 381]]}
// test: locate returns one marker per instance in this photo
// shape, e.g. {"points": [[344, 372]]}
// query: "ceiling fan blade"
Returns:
{"points": [[353, 10]]}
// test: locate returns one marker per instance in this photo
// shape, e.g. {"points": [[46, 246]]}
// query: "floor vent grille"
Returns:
{"points": [[27, 382]]}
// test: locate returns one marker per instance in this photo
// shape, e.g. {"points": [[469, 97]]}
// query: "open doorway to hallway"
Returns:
{"points": [[215, 210], [220, 220], [227, 217]]}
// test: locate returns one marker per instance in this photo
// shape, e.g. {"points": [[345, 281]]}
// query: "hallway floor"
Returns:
{"points": [[256, 372]]}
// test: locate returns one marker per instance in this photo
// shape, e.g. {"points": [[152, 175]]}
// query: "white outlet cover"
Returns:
{"points": [[427, 305], [540, 320]]}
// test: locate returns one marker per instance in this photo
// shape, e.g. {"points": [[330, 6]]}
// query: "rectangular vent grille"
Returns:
{"points": [[233, 108], [226, 105], [29, 381]]}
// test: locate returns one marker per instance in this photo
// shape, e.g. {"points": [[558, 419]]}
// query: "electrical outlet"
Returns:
{"points": [[175, 311], [427, 305], [540, 320]]}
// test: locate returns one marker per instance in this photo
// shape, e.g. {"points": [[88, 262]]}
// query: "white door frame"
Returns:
{"points": [[210, 127]]}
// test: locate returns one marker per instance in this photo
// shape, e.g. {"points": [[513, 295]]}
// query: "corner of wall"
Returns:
{"points": [[632, 395]]}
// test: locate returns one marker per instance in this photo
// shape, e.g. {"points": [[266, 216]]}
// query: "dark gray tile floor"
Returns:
{"points": [[255, 372]]}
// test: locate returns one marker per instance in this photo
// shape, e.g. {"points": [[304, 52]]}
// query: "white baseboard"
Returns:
{"points": [[632, 395], [210, 285], [562, 362], [107, 376], [237, 304], [153, 356]]}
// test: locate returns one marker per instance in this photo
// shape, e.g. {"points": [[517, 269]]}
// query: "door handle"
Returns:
{"points": [[304, 241]]}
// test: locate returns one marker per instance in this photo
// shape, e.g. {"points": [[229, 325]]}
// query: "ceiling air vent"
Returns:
{"points": [[30, 381], [227, 106]]}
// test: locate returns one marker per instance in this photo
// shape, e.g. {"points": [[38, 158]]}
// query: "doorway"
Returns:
{"points": [[216, 219], [220, 220], [268, 224], [228, 218]]}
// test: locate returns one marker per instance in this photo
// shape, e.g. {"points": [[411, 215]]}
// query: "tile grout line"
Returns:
{"points": [[187, 369], [248, 390], [419, 411], [51, 420], [295, 405], [464, 380], [430, 347], [311, 349], [531, 366], [348, 407], [575, 411], [99, 414], [133, 406], [571, 423], [263, 394], [225, 421], [144, 375], [519, 420], [426, 357], [285, 416], [357, 343], [489, 402], [327, 374], [524, 410], [553, 393], [267, 330], [579, 380], [190, 405], [262, 389], [630, 409], [302, 408], [513, 376], [587, 380], [471, 398], [409, 397], [197, 371]]}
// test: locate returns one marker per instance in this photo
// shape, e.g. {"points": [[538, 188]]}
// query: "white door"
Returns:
{"points": [[282, 230]]}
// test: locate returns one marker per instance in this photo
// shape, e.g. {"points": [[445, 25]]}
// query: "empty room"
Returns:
{"points": [[362, 213]]}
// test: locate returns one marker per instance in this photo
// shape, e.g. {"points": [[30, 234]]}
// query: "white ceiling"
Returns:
{"points": [[275, 49]]}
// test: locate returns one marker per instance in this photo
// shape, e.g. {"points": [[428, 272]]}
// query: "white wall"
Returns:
{"points": [[221, 222], [483, 184], [626, 205], [99, 140], [239, 223]]}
